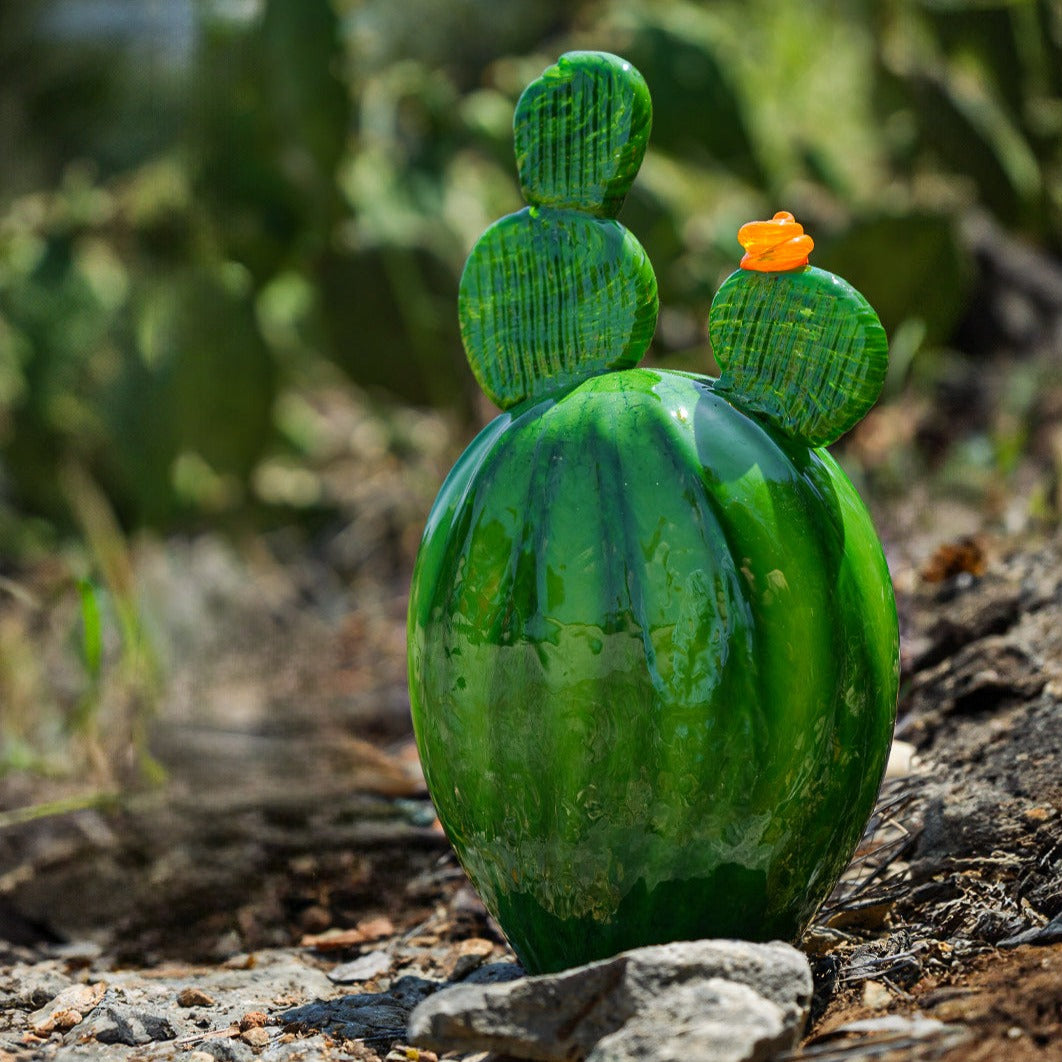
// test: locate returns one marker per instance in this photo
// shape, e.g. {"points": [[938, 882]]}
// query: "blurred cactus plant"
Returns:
{"points": [[312, 147]]}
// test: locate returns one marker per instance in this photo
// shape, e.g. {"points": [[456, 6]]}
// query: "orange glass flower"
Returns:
{"points": [[776, 245]]}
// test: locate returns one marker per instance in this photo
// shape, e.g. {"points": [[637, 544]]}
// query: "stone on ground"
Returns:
{"points": [[750, 999]]}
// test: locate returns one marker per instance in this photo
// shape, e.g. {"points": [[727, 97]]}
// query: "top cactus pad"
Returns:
{"points": [[581, 130]]}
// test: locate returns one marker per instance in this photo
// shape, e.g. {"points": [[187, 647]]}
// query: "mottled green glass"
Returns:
{"points": [[653, 669], [561, 291], [550, 297], [580, 133], [801, 348]]}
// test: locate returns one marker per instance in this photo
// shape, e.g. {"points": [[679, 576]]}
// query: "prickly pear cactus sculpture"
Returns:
{"points": [[652, 639]]}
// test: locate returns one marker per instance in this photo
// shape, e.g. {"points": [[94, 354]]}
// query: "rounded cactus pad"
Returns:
{"points": [[581, 129], [549, 298], [797, 345]]}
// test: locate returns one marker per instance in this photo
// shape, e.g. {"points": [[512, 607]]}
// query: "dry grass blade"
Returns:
{"points": [[882, 1036], [51, 808], [876, 870]]}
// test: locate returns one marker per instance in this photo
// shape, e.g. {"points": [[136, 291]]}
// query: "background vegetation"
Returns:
{"points": [[212, 212]]}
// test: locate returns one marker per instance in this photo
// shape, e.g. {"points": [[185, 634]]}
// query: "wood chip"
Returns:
{"points": [[366, 930]]}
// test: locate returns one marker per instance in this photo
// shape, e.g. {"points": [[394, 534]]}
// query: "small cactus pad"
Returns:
{"points": [[803, 349], [551, 297], [581, 130]]}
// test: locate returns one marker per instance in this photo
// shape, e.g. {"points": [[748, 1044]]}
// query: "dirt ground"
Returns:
{"points": [[293, 816]]}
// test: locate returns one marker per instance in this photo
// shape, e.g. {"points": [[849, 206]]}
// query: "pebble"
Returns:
{"points": [[194, 997], [227, 1051], [120, 1023], [57, 1014], [470, 954], [875, 995], [35, 987], [364, 968], [256, 1036]]}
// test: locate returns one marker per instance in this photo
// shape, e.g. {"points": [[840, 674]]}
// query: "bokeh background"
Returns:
{"points": [[231, 233]]}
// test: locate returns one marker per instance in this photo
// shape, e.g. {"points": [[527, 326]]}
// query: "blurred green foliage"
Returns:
{"points": [[187, 236]]}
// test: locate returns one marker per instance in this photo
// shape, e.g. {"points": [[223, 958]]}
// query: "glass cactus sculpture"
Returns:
{"points": [[652, 638]]}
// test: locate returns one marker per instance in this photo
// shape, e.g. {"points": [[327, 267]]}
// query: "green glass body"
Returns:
{"points": [[653, 669]]}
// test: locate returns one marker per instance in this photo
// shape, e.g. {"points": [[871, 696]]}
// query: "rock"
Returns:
{"points": [[468, 956], [495, 973], [875, 995], [64, 1020], [257, 1036], [58, 1014], [194, 997], [1049, 934], [716, 1019], [364, 968], [36, 986], [366, 1015], [120, 1023], [226, 1050], [565, 1015]]}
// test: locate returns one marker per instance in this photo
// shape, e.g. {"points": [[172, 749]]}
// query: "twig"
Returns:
{"points": [[51, 808]]}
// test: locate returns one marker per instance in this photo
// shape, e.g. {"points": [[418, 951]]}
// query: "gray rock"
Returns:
{"points": [[228, 1050], [67, 1008], [297, 1051], [120, 1023], [368, 1015], [718, 1020], [1049, 934], [563, 1016], [494, 973], [36, 986], [363, 968]]}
